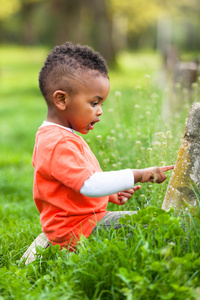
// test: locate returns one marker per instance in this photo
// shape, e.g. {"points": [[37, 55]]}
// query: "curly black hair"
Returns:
{"points": [[66, 62]]}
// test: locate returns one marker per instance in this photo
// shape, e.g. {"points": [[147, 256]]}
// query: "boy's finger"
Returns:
{"points": [[124, 194], [167, 168], [136, 188], [124, 200]]}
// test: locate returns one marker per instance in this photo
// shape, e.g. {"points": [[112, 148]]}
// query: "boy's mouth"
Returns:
{"points": [[91, 125]]}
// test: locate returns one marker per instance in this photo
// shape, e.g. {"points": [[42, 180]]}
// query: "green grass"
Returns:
{"points": [[158, 261]]}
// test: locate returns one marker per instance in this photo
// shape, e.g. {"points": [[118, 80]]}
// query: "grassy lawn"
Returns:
{"points": [[158, 261]]}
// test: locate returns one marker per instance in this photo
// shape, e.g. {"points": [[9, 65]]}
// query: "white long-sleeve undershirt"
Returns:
{"points": [[107, 183]]}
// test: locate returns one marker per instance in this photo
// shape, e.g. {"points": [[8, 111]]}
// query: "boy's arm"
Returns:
{"points": [[107, 183]]}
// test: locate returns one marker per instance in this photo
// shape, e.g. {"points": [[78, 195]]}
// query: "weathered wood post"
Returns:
{"points": [[184, 183]]}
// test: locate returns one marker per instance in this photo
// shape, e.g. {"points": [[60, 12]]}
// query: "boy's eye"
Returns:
{"points": [[94, 103]]}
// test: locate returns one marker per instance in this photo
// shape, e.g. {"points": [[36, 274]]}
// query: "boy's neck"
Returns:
{"points": [[54, 118], [47, 123]]}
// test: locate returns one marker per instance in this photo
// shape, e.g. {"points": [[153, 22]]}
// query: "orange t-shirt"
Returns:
{"points": [[62, 162]]}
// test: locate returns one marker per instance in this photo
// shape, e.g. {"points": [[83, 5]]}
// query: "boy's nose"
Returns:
{"points": [[100, 111]]}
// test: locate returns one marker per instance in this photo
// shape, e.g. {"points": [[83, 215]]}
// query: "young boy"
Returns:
{"points": [[70, 190]]}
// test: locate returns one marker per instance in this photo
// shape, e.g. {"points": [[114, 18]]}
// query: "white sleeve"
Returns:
{"points": [[107, 183]]}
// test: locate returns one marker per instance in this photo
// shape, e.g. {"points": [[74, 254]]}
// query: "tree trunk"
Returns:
{"points": [[84, 22], [28, 30], [102, 31]]}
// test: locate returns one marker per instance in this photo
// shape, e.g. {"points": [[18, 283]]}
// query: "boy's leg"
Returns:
{"points": [[41, 240], [111, 219]]}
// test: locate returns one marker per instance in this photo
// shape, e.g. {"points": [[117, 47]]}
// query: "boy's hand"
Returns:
{"points": [[122, 197], [153, 174]]}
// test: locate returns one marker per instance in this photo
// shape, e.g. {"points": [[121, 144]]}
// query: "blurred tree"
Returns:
{"points": [[84, 22], [27, 12], [106, 25], [25, 9], [142, 15], [101, 29], [8, 8]]}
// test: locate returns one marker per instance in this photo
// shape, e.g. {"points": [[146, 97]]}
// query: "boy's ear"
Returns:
{"points": [[60, 99]]}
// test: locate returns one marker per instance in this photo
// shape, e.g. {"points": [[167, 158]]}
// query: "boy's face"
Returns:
{"points": [[84, 108]]}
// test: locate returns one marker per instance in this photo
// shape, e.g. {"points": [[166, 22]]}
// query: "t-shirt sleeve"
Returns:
{"points": [[69, 164]]}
